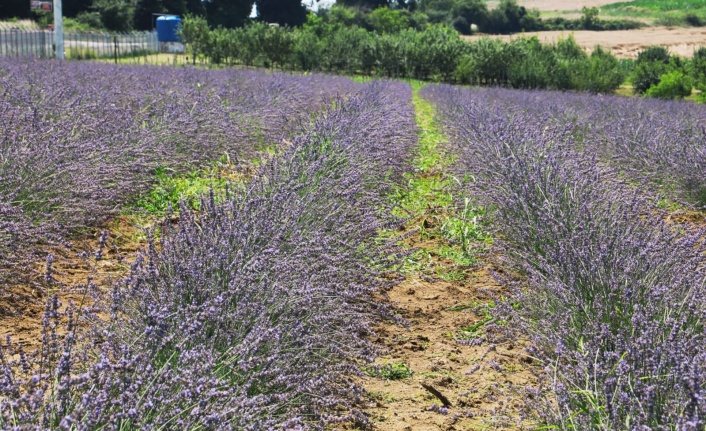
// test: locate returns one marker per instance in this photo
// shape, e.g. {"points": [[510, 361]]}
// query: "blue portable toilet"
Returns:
{"points": [[168, 28]]}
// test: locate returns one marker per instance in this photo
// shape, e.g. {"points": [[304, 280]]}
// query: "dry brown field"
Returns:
{"points": [[626, 43]]}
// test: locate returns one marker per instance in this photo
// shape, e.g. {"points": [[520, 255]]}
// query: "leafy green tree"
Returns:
{"points": [[465, 72], [283, 12], [514, 14], [343, 47], [383, 20], [651, 64], [365, 4], [278, 45], [250, 42], [461, 25], [531, 64], [672, 85], [15, 9], [589, 18], [491, 58], [604, 72], [473, 11], [142, 17], [438, 11], [228, 13], [195, 7], [435, 52], [509, 18], [391, 55], [653, 53], [223, 46], [116, 15], [72, 8], [496, 23], [308, 50], [196, 35], [418, 20], [697, 70], [568, 49]]}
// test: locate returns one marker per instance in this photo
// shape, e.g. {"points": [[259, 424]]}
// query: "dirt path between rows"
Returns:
{"points": [[451, 368], [481, 381]]}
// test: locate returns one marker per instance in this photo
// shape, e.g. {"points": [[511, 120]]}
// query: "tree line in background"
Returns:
{"points": [[466, 16], [437, 53], [128, 15], [403, 38]]}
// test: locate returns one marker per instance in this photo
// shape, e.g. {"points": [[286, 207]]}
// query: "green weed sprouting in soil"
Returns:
{"points": [[393, 371], [172, 188], [450, 234]]}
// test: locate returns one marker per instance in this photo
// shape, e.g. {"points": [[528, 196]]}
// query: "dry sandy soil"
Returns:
{"points": [[627, 43], [482, 383]]}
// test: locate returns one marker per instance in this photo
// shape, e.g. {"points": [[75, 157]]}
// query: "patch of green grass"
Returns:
{"points": [[393, 371], [659, 5], [171, 188], [451, 236], [473, 331], [483, 311], [668, 204], [462, 307], [664, 12]]}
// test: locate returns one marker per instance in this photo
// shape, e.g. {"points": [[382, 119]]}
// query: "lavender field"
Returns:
{"points": [[611, 294], [260, 305], [251, 313]]}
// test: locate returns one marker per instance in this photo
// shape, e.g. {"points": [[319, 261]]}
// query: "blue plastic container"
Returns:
{"points": [[168, 28]]}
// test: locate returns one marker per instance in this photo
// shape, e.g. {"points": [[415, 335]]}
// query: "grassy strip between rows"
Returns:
{"points": [[451, 233], [447, 237]]}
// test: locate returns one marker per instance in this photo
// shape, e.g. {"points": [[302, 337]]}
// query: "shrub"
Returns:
{"points": [[465, 72], [673, 85], [653, 53], [646, 74], [604, 74], [460, 24], [90, 20]]}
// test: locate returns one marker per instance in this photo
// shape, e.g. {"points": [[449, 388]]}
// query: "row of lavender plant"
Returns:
{"points": [[655, 142], [612, 297], [80, 140], [250, 314]]}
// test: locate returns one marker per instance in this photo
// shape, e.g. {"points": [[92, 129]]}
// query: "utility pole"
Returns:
{"points": [[58, 29]]}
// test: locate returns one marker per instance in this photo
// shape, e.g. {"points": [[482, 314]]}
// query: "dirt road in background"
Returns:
{"points": [[626, 43]]}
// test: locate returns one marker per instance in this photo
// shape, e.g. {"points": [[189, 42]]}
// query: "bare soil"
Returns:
{"points": [[22, 307], [626, 43], [482, 383]]}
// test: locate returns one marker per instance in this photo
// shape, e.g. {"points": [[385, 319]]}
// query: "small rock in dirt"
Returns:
{"points": [[445, 381], [410, 291]]}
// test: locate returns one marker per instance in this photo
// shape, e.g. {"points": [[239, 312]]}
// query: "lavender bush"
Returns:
{"points": [[80, 141], [646, 140], [252, 313], [612, 297]]}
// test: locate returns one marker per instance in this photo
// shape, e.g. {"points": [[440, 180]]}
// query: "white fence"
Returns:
{"points": [[40, 43]]}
